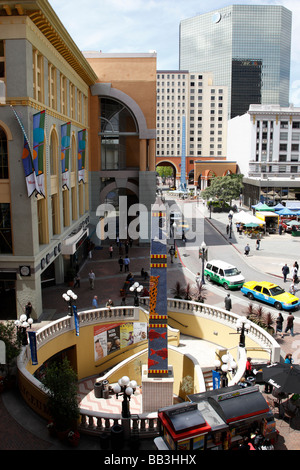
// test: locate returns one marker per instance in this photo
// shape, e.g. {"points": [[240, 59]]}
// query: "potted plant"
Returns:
{"points": [[61, 386], [178, 291], [199, 293]]}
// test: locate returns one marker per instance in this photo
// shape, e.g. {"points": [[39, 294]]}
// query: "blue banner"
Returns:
{"points": [[33, 347], [76, 319], [216, 376]]}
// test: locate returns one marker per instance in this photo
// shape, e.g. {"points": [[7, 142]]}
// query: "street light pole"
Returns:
{"points": [[203, 250], [70, 297], [242, 326], [125, 387], [137, 289], [22, 324]]}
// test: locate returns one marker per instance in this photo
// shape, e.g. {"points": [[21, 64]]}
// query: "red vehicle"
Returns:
{"points": [[288, 227]]}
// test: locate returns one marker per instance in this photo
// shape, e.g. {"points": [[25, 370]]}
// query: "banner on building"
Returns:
{"points": [[76, 320], [27, 159], [216, 376], [65, 154], [115, 336], [81, 154], [38, 150], [33, 347]]}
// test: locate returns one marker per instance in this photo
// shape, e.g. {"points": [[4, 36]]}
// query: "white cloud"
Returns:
{"points": [[143, 25]]}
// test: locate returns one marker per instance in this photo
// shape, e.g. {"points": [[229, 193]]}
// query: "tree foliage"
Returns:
{"points": [[61, 386], [12, 341], [224, 188]]}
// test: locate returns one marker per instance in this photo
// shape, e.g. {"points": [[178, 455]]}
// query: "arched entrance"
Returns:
{"points": [[166, 174]]}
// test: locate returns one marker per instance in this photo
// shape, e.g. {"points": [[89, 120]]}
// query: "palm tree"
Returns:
{"points": [[178, 291], [199, 293]]}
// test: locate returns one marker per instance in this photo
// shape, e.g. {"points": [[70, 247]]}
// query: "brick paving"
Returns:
{"points": [[14, 433]]}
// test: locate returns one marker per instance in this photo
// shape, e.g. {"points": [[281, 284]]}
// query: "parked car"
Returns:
{"points": [[271, 294], [223, 273]]}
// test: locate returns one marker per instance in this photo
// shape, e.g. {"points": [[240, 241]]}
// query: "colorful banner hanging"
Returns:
{"points": [[76, 320], [33, 347], [65, 154], [81, 154], [216, 376], [38, 149], [27, 159]]}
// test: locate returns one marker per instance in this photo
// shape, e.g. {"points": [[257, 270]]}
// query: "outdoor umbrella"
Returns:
{"points": [[286, 212], [285, 378], [293, 222], [251, 224]]}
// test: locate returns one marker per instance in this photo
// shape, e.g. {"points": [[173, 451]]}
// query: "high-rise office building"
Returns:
{"points": [[246, 47]]}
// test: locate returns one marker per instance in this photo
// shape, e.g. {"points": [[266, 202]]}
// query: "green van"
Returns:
{"points": [[223, 273]]}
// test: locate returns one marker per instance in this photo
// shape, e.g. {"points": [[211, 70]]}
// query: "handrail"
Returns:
{"points": [[145, 424]]}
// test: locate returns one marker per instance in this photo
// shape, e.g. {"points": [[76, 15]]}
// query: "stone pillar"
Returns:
{"points": [[143, 155]]}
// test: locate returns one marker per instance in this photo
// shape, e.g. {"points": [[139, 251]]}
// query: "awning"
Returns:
{"points": [[234, 403]]}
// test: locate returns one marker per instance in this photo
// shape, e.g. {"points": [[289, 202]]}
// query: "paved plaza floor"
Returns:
{"points": [[23, 429]]}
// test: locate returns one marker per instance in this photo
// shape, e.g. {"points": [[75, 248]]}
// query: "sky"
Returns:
{"points": [[119, 26]]}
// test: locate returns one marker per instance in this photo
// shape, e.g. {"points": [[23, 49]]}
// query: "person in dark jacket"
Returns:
{"points": [[228, 304]]}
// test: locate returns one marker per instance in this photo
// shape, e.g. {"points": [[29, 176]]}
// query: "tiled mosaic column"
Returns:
{"points": [[157, 381]]}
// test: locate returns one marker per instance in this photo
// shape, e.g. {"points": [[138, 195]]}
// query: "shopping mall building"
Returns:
{"points": [[74, 134]]}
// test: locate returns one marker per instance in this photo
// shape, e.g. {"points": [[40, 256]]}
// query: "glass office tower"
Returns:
{"points": [[246, 47]]}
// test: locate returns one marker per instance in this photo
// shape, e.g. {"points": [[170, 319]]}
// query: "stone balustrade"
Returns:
{"points": [[93, 422]]}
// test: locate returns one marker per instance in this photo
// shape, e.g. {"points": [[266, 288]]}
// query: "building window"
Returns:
{"points": [[63, 94], [38, 76], [52, 87], [79, 106], [2, 60], [294, 169], [72, 101], [5, 229], [3, 155]]}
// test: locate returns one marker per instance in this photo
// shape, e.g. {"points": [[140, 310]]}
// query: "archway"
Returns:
{"points": [[166, 174]]}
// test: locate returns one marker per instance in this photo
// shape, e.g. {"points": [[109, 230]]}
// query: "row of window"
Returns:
{"points": [[283, 124], [63, 95]]}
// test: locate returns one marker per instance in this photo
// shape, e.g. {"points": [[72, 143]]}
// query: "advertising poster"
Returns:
{"points": [[114, 336]]}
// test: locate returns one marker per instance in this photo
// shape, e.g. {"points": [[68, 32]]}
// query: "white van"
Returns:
{"points": [[223, 273]]}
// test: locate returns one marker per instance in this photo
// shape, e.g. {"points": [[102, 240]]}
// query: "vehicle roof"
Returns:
{"points": [[221, 264], [269, 285]]}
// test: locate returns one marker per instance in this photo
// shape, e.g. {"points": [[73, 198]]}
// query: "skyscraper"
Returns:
{"points": [[246, 47]]}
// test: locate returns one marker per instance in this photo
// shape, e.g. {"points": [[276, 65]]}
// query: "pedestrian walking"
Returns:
{"points": [[290, 324], [95, 301], [228, 304], [121, 263], [288, 359], [285, 271], [292, 288], [126, 263], [28, 310], [92, 279], [198, 279], [247, 249], [110, 250], [258, 244], [279, 323], [248, 371], [172, 253], [77, 280], [295, 272]]}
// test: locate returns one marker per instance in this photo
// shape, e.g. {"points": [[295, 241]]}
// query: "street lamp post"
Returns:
{"points": [[125, 387], [203, 251], [137, 289], [22, 324], [230, 215], [70, 297], [242, 326], [226, 364], [210, 204]]}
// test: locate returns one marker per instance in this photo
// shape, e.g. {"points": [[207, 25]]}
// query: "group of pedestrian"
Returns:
{"points": [[294, 272], [256, 442], [124, 262], [289, 324]]}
